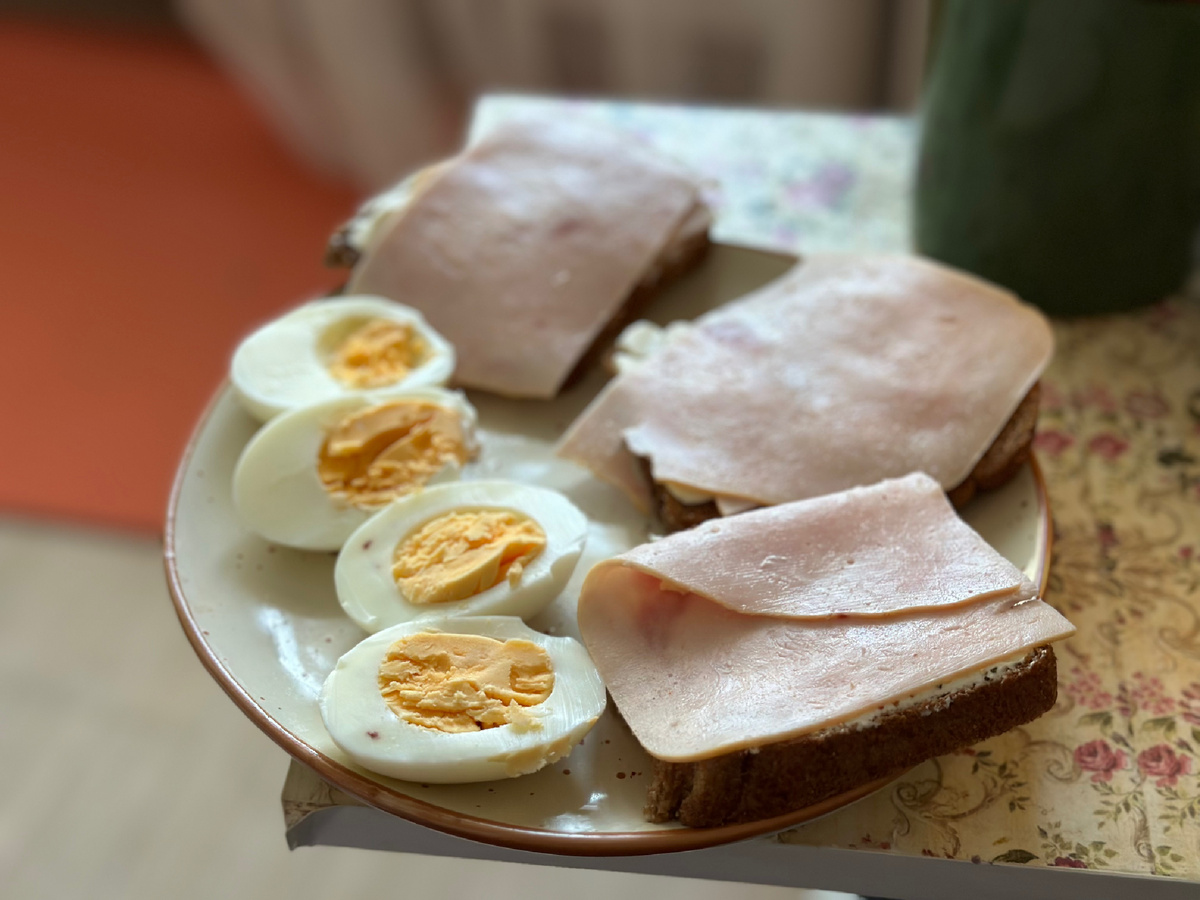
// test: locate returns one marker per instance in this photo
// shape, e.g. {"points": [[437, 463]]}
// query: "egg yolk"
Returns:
{"points": [[464, 553], [383, 452], [464, 682], [377, 353]]}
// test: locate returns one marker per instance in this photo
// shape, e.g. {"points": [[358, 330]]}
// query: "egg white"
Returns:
{"points": [[363, 574], [365, 728], [277, 490], [282, 365]]}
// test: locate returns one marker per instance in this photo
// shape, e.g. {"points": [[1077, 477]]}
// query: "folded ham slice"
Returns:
{"points": [[847, 370], [521, 250], [780, 622]]}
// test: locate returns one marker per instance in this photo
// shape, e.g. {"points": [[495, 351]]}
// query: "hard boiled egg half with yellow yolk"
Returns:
{"points": [[337, 347], [460, 700], [313, 475], [469, 548]]}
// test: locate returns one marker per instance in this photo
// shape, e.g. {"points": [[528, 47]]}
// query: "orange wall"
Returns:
{"points": [[147, 219]]}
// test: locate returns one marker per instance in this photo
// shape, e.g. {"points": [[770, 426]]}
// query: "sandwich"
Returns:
{"points": [[531, 249], [847, 370], [788, 655]]}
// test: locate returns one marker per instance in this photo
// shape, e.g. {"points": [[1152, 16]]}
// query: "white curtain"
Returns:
{"points": [[368, 89]]}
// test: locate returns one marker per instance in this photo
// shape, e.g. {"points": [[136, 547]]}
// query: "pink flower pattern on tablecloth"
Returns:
{"points": [[1100, 759], [1146, 692], [1144, 404], [1163, 763], [1085, 689], [1108, 446], [1095, 397], [1106, 536], [1052, 441], [1069, 863], [1051, 399]]}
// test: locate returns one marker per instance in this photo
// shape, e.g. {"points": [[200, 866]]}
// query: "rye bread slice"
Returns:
{"points": [[685, 249], [1007, 453], [789, 775]]}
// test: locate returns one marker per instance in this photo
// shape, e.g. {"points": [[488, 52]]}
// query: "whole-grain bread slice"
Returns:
{"points": [[789, 775], [683, 251], [1007, 453]]}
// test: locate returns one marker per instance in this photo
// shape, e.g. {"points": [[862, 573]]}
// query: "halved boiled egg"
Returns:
{"points": [[337, 347], [462, 699], [472, 548], [313, 475]]}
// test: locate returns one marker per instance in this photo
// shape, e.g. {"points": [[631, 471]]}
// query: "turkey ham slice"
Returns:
{"points": [[847, 370], [523, 248], [783, 621]]}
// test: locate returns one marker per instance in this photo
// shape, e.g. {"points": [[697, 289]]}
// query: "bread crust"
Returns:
{"points": [[342, 251], [1002, 460], [778, 778], [1008, 452]]}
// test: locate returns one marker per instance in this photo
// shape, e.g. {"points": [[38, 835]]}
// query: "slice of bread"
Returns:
{"points": [[790, 654], [685, 250], [531, 250], [1007, 453], [790, 775]]}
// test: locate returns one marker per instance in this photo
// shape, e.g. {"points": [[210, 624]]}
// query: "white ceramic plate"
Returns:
{"points": [[266, 623]]}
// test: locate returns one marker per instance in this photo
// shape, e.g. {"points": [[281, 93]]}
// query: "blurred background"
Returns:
{"points": [[402, 97]]}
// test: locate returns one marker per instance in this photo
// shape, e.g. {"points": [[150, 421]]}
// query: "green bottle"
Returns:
{"points": [[1060, 148]]}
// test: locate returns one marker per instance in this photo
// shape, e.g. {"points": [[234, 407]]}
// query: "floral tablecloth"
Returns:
{"points": [[1110, 778]]}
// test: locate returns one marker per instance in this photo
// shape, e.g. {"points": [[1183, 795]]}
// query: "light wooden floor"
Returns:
{"points": [[126, 773]]}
